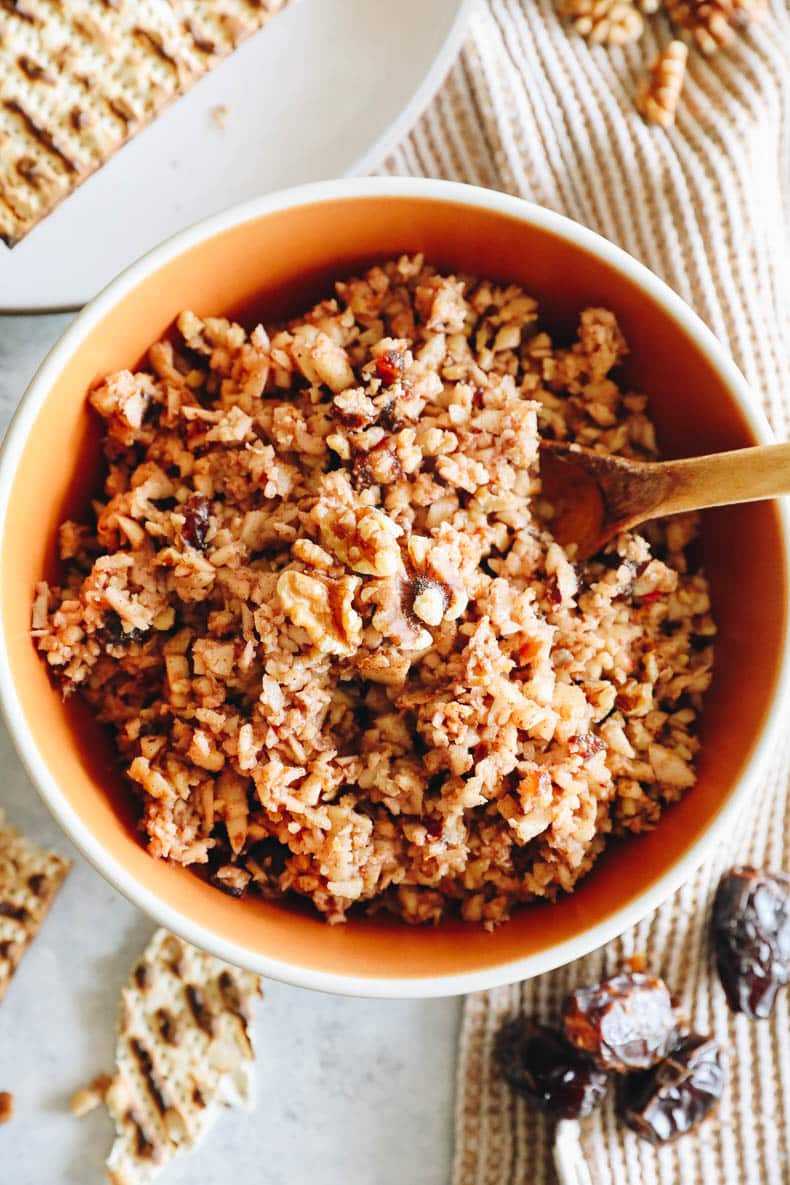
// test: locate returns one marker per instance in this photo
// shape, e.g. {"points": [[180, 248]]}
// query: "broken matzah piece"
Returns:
{"points": [[81, 77], [184, 1052], [29, 880]]}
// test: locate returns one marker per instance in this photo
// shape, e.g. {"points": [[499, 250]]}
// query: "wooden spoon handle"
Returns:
{"points": [[745, 475]]}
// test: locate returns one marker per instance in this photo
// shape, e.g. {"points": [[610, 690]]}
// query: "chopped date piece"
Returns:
{"points": [[390, 417], [269, 858], [389, 367], [6, 1106], [434, 825], [677, 1094], [196, 509], [751, 935], [538, 1063], [650, 598], [624, 1023], [114, 634], [553, 592]]}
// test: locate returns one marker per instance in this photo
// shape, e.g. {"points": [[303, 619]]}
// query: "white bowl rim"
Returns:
{"points": [[355, 985]]}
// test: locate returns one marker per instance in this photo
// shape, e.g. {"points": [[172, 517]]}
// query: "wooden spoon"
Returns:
{"points": [[594, 496]]}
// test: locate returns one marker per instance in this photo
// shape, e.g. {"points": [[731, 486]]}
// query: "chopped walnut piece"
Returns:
{"points": [[323, 608], [387, 667], [322, 360], [218, 658], [658, 98], [613, 22], [123, 399], [430, 601], [381, 466], [366, 540], [230, 804], [310, 553]]}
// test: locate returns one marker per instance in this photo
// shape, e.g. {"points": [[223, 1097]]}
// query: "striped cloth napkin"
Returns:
{"points": [[535, 110]]}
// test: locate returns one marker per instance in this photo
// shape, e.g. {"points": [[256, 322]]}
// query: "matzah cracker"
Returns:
{"points": [[78, 78], [184, 1052], [29, 880]]}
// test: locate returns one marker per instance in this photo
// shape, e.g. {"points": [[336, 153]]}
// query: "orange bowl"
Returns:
{"points": [[273, 257]]}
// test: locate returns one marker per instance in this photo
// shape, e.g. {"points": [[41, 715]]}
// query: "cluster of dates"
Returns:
{"points": [[629, 1026]]}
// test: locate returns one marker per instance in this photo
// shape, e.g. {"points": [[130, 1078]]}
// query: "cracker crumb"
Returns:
{"points": [[88, 1098], [220, 115]]}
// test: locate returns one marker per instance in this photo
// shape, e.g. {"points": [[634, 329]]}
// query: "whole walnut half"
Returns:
{"points": [[539, 1064]]}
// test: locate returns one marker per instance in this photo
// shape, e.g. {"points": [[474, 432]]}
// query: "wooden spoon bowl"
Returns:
{"points": [[593, 496]]}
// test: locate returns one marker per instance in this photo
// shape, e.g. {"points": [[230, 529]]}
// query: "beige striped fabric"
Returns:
{"points": [[530, 109]]}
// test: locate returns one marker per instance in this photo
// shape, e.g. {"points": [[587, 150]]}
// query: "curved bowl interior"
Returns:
{"points": [[277, 263]]}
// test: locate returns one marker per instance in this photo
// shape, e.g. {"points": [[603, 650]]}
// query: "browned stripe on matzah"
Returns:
{"points": [[35, 71], [200, 40], [157, 46], [41, 134], [203, 1016], [156, 1086], [171, 1028], [22, 9]]}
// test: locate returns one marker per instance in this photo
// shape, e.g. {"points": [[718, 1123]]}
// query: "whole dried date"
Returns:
{"points": [[624, 1023], [672, 1098], [751, 935], [540, 1065]]}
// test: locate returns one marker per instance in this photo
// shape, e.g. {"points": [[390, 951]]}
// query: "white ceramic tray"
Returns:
{"points": [[326, 89]]}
